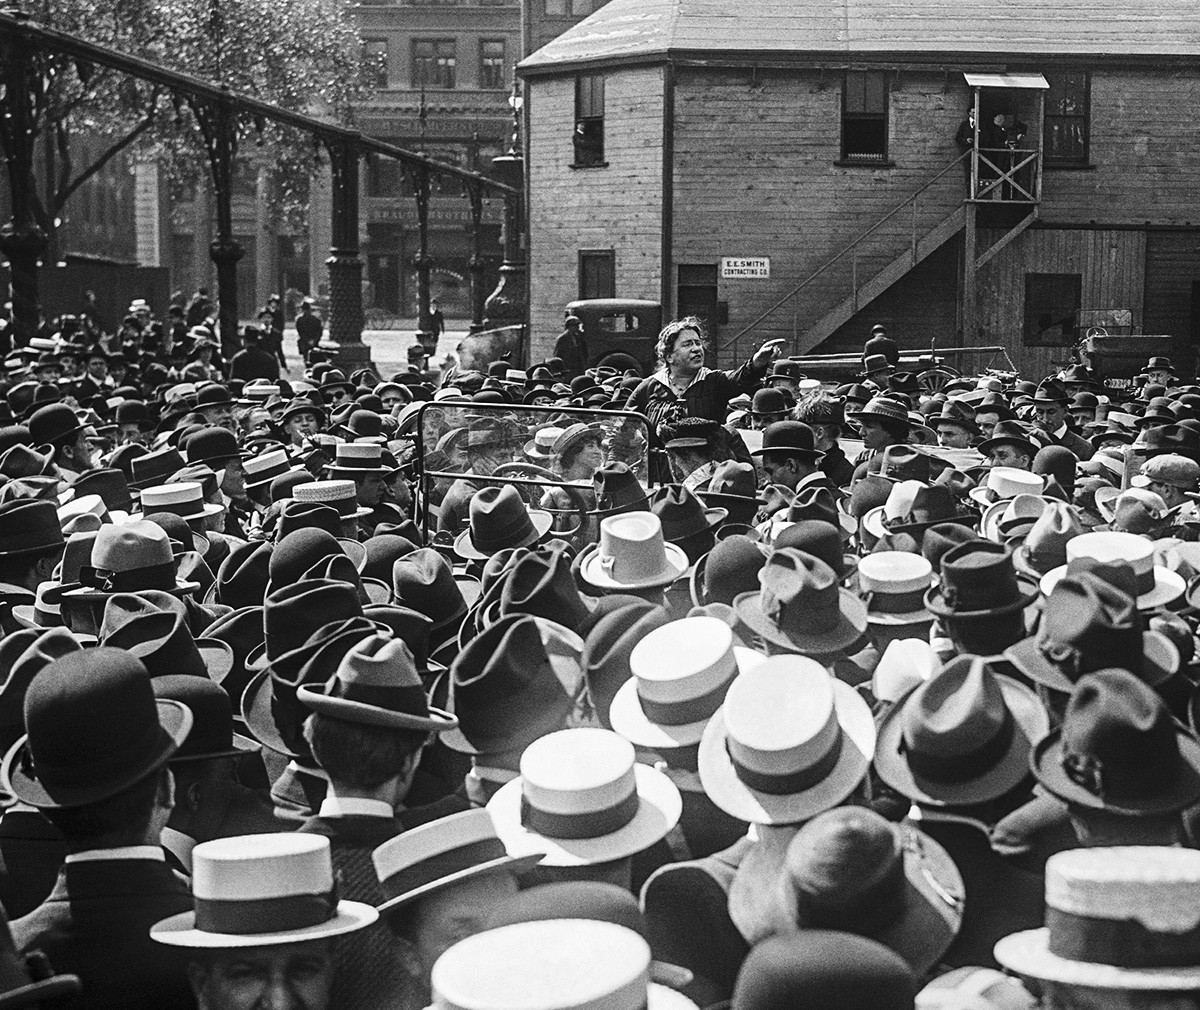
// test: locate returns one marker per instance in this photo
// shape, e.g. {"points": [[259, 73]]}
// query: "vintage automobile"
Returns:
{"points": [[618, 329]]}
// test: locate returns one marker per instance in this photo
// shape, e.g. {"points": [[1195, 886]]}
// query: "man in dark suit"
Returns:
{"points": [[1050, 404], [95, 763]]}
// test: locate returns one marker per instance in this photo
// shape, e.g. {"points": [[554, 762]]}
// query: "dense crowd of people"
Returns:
{"points": [[560, 687]]}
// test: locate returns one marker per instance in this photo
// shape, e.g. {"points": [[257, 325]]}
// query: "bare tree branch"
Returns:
{"points": [[103, 159]]}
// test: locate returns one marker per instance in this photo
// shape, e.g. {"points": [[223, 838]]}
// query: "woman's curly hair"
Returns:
{"points": [[670, 334]]}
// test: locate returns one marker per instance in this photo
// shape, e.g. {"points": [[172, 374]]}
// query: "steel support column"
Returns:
{"points": [[422, 262], [476, 265]]}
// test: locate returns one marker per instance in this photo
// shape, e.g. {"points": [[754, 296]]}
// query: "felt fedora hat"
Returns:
{"points": [[340, 495], [261, 891], [893, 586], [800, 607], [109, 484], [931, 505], [1119, 750], [1088, 625], [789, 742], [681, 672], [731, 568], [734, 486], [1045, 545], [964, 736], [582, 798], [815, 502], [155, 467], [852, 870], [516, 681], [632, 554], [439, 854], [1155, 585], [287, 620], [617, 489], [29, 526], [184, 499], [882, 407], [978, 579], [791, 438], [42, 613], [1119, 918], [129, 558], [557, 964], [685, 520], [377, 684], [93, 729], [153, 626], [425, 581], [499, 519]]}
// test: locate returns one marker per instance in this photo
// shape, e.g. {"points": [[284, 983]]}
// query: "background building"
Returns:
{"points": [[726, 164]]}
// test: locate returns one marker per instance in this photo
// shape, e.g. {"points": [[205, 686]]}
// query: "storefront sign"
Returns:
{"points": [[745, 268]]}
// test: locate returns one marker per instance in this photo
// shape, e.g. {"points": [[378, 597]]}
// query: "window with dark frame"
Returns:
{"points": [[491, 63], [556, 8], [374, 54], [1052, 302], [597, 273], [1065, 136], [434, 62], [589, 120], [865, 116]]}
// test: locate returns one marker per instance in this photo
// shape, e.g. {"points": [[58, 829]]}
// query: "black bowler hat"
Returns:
{"points": [[792, 438], [213, 445], [93, 729], [211, 735], [213, 395], [53, 424]]}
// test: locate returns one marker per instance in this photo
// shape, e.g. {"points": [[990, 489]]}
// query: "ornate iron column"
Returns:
{"points": [[506, 306], [345, 264], [475, 265], [218, 127], [21, 239], [422, 262]]}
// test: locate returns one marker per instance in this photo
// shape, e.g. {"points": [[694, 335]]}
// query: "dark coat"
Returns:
{"points": [[1080, 446], [31, 853], [254, 363], [837, 467], [96, 924]]}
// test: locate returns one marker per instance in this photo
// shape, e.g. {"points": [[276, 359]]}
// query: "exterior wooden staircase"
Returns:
{"points": [[865, 289]]}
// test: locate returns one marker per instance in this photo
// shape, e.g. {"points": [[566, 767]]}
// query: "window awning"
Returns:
{"points": [[1025, 81]]}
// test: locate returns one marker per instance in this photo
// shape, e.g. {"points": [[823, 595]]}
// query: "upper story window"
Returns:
{"points": [[491, 63], [573, 8], [589, 119], [865, 116], [434, 62], [1065, 139], [375, 62]]}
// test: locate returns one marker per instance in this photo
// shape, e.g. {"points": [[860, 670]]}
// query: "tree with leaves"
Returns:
{"points": [[302, 55]]}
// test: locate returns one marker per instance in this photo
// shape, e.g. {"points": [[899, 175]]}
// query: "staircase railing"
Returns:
{"points": [[851, 250]]}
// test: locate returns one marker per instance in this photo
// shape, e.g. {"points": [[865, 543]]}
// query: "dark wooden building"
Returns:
{"points": [[805, 171]]}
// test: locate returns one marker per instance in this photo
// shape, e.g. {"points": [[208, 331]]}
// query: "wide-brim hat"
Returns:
{"points": [[176, 722], [1027, 593], [628, 718], [1030, 723], [731, 794], [464, 545], [1168, 587], [851, 625], [659, 809], [1160, 662], [1028, 953], [181, 588], [592, 572]]}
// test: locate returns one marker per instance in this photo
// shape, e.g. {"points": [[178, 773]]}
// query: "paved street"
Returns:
{"points": [[389, 348]]}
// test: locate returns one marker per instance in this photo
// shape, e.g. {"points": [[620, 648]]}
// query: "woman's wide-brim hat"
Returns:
{"points": [[1030, 723], [659, 810], [735, 797], [850, 627], [1168, 587]]}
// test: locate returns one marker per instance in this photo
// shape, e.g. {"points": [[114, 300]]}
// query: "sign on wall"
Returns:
{"points": [[745, 268]]}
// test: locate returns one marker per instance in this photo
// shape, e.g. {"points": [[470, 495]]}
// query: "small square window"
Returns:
{"points": [[433, 63]]}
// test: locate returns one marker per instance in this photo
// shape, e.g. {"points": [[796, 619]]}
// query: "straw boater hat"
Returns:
{"points": [[1116, 918], [260, 891], [582, 799], [359, 459], [681, 672], [1004, 482], [341, 495], [555, 964], [266, 466], [441, 853], [184, 500], [789, 742], [1156, 585], [541, 446], [893, 585]]}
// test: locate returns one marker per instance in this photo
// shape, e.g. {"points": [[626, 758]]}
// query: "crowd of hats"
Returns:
{"points": [[857, 699]]}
